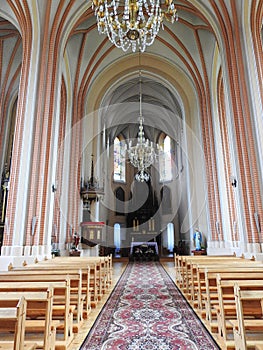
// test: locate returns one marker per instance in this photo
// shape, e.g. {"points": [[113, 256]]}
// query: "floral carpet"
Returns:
{"points": [[146, 311]]}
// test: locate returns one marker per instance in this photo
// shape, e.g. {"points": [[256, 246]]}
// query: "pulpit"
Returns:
{"points": [[92, 233]]}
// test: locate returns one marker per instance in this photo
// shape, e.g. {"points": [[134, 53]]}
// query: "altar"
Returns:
{"points": [[144, 251], [149, 244]]}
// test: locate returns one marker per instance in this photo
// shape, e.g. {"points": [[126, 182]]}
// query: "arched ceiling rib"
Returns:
{"points": [[178, 43], [188, 44]]}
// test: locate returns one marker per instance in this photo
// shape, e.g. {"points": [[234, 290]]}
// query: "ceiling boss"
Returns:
{"points": [[133, 23]]}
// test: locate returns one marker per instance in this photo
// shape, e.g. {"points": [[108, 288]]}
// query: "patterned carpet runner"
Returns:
{"points": [[146, 311]]}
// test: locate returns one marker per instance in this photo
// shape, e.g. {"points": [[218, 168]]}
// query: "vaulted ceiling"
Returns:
{"points": [[187, 46]]}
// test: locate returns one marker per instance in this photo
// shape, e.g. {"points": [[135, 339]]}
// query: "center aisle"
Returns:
{"points": [[147, 311]]}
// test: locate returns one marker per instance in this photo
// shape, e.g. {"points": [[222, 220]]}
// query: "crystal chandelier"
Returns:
{"points": [[133, 23], [143, 154]]}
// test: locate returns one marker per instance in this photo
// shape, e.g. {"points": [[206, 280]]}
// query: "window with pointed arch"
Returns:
{"points": [[165, 159], [119, 173]]}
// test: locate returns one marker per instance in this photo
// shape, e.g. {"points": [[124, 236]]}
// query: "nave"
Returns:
{"points": [[147, 311], [64, 325], [72, 303]]}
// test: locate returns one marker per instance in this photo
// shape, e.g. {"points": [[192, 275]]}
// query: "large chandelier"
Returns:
{"points": [[133, 23], [143, 154]]}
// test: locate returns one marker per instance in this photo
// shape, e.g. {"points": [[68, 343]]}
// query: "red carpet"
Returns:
{"points": [[147, 312]]}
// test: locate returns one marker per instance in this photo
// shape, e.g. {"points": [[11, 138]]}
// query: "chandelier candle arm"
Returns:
{"points": [[133, 23]]}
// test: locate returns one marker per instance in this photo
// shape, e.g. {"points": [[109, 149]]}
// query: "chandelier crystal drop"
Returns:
{"points": [[133, 23], [143, 154]]}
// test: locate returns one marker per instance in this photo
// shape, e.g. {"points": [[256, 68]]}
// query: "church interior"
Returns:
{"points": [[133, 151]]}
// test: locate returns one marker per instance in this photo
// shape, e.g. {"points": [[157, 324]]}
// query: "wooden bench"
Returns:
{"points": [[91, 273], [103, 265], [248, 331], [226, 273], [61, 310], [226, 307], [12, 319], [55, 267], [44, 329], [77, 299], [206, 282], [225, 263], [181, 261], [98, 275], [189, 270]]}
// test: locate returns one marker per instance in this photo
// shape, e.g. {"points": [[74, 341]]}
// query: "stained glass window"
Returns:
{"points": [[119, 160]]}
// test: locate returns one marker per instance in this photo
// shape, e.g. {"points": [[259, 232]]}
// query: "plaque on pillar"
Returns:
{"points": [[92, 233]]}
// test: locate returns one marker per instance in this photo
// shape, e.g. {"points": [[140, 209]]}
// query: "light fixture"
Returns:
{"points": [[133, 23], [143, 154], [233, 181]]}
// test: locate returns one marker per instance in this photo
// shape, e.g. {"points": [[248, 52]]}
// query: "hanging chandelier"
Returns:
{"points": [[133, 23], [143, 154]]}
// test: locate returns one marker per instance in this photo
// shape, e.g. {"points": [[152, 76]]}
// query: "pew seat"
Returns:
{"points": [[41, 332], [247, 330], [60, 318]]}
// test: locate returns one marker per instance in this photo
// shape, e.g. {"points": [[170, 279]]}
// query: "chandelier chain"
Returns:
{"points": [[143, 154]]}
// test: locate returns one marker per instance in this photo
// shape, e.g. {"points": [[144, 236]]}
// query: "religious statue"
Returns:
{"points": [[75, 242], [197, 239]]}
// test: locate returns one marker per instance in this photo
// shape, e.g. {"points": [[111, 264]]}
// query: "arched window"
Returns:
{"points": [[119, 160], [165, 163], [117, 237], [170, 237]]}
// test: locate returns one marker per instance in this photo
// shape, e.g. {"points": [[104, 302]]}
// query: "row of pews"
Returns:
{"points": [[43, 305], [227, 294]]}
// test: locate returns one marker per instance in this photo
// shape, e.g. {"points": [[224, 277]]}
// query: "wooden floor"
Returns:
{"points": [[118, 267]]}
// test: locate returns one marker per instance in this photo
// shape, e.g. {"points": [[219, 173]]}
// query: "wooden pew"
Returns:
{"points": [[98, 271], [12, 319], [61, 310], [204, 281], [181, 262], [248, 331], [189, 270], [209, 295], [91, 273], [200, 275], [228, 262], [226, 307], [204, 284], [103, 269], [44, 330], [77, 299]]}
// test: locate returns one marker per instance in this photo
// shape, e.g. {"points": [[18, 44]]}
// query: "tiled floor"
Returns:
{"points": [[118, 268]]}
